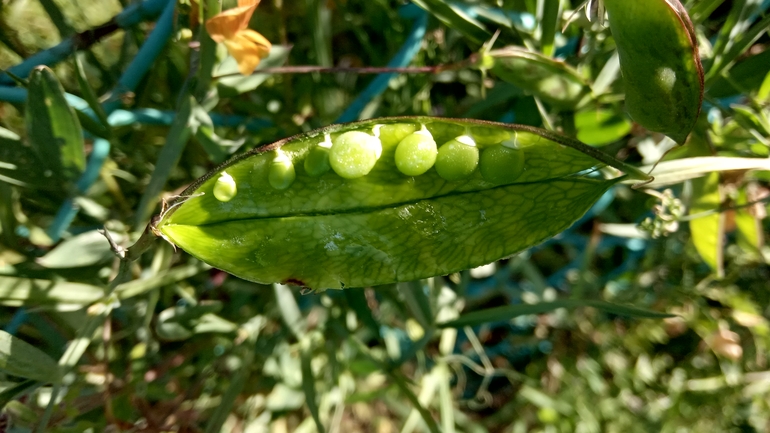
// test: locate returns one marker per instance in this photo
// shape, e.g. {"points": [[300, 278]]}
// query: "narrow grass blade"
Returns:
{"points": [[88, 92], [308, 384], [509, 312], [176, 140], [548, 20]]}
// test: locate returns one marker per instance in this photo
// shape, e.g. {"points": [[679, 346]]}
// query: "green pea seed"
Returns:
{"points": [[281, 173], [224, 188], [457, 158], [488, 136], [416, 153], [354, 153], [317, 160], [502, 164], [392, 134]]}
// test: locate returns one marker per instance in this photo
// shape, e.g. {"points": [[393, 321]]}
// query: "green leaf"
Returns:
{"points": [[702, 9], [750, 234], [763, 94], [747, 39], [553, 81], [16, 292], [53, 127], [332, 232], [745, 77], [19, 358], [20, 165], [601, 127], [735, 35], [88, 93], [85, 249], [16, 390], [215, 146], [8, 221], [308, 383], [708, 230], [509, 312], [456, 19], [659, 61], [548, 23], [182, 322], [750, 120], [235, 85]]}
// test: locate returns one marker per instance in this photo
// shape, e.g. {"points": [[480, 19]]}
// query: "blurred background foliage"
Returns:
{"points": [[185, 348]]}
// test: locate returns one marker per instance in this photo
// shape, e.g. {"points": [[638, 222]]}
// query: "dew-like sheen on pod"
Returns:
{"points": [[416, 153], [224, 188], [457, 158], [317, 160], [502, 164], [354, 154], [281, 173]]}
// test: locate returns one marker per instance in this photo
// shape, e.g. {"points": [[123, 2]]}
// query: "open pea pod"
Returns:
{"points": [[551, 80], [385, 200], [660, 64]]}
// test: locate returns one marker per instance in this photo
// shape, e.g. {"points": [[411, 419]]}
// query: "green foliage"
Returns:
{"points": [[608, 326]]}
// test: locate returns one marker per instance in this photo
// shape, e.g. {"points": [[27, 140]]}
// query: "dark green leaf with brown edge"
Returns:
{"points": [[53, 127], [263, 217], [512, 311], [660, 64]]}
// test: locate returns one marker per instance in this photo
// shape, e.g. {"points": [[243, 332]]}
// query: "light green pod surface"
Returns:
{"points": [[329, 231], [552, 81], [660, 64]]}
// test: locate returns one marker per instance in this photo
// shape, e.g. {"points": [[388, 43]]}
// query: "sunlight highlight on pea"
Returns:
{"points": [[281, 173]]}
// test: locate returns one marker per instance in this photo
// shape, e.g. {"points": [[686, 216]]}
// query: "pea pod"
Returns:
{"points": [[660, 64], [551, 80], [331, 229]]}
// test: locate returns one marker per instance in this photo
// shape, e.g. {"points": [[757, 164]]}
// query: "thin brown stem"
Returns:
{"points": [[355, 70]]}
